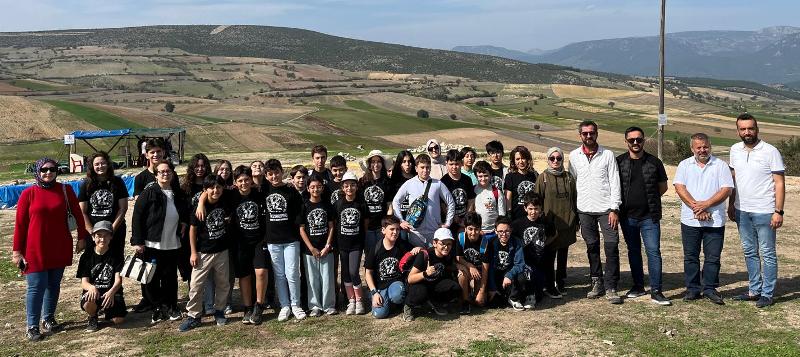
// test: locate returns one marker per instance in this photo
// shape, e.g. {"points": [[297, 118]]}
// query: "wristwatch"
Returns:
{"points": [[780, 212], [373, 291]]}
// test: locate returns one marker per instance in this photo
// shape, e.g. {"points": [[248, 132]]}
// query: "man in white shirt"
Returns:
{"points": [[598, 190], [422, 235], [703, 182], [756, 206]]}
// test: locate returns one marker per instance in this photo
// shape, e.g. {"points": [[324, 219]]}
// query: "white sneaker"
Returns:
{"points": [[351, 308], [360, 309], [284, 314], [315, 312], [516, 305], [331, 311], [298, 312], [530, 302]]}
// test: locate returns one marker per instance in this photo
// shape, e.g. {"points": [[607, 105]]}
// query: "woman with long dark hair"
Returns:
{"points": [[43, 244], [373, 188], [402, 171], [257, 167], [224, 169], [521, 179], [104, 197]]}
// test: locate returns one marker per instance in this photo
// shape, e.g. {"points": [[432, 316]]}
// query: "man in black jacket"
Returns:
{"points": [[642, 181]]}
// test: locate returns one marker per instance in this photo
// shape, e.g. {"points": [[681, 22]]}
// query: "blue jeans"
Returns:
{"points": [[395, 294], [648, 230], [758, 243], [42, 294], [711, 239], [286, 267]]}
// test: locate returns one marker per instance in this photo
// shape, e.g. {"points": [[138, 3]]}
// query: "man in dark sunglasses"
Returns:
{"points": [[643, 181], [597, 185]]}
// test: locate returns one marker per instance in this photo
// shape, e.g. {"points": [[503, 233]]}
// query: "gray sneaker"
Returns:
{"points": [[408, 313], [613, 297], [597, 289]]}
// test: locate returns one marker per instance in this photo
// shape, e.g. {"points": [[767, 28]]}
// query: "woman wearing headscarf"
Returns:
{"points": [[556, 188], [43, 244]]}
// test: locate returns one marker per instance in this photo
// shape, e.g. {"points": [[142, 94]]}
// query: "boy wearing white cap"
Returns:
{"points": [[432, 280], [100, 279]]}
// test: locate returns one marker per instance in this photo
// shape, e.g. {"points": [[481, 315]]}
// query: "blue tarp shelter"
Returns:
{"points": [[9, 195], [127, 134]]}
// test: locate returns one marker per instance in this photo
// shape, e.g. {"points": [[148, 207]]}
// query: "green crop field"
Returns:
{"points": [[368, 120], [96, 117], [37, 86]]}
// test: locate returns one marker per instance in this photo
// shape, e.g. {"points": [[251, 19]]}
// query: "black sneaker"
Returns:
{"points": [[144, 305], [438, 310], [220, 319], [190, 324], [746, 297], [158, 315], [50, 325], [764, 302], [33, 334], [174, 314], [466, 309], [714, 296], [553, 292], [92, 324], [658, 297], [257, 314], [635, 292], [692, 295], [248, 313]]}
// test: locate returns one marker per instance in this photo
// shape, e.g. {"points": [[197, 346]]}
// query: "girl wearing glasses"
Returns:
{"points": [[556, 188], [43, 244]]}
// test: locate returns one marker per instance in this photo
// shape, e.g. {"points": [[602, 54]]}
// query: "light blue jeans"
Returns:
{"points": [[286, 267], [395, 294], [321, 281], [42, 294], [758, 243]]}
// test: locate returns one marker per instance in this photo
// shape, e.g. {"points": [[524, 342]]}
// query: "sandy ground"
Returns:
{"points": [[27, 119], [574, 91]]}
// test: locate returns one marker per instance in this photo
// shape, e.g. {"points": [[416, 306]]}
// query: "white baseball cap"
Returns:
{"points": [[443, 234], [349, 175]]}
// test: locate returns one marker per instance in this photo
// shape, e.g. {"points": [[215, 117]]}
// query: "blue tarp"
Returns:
{"points": [[95, 134], [9, 195]]}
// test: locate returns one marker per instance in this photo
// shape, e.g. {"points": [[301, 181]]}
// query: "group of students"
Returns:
{"points": [[435, 231]]}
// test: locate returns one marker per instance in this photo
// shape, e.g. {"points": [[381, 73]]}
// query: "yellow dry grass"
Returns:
{"points": [[27, 120], [574, 91]]}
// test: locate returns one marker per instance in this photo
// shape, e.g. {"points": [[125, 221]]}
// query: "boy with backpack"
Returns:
{"points": [[432, 280], [510, 276], [100, 279], [473, 256], [383, 270], [209, 241], [532, 229], [489, 201]]}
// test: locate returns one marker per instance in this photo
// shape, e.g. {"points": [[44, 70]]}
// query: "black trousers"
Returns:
{"points": [[561, 265], [444, 290], [591, 234], [163, 289], [520, 286]]}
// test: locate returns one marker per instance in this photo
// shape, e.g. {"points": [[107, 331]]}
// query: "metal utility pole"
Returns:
{"points": [[661, 115]]}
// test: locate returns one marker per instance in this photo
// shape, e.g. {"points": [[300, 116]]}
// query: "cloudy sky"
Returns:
{"points": [[516, 24]]}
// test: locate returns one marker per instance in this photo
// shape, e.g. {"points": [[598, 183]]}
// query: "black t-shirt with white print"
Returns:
{"points": [[462, 190], [497, 177], [405, 201], [445, 266], [333, 192], [212, 233], [249, 215], [471, 251], [503, 258], [350, 217], [316, 217], [283, 214], [99, 269], [385, 264], [519, 184], [533, 237], [375, 197], [102, 198]]}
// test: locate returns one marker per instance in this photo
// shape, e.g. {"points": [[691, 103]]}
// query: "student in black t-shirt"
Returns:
{"points": [[297, 177], [474, 254], [538, 249], [319, 155], [100, 279], [460, 187], [509, 277], [520, 180], [104, 197], [494, 155], [432, 280], [210, 241], [351, 226], [383, 273], [373, 188], [283, 240], [333, 189], [317, 230]]}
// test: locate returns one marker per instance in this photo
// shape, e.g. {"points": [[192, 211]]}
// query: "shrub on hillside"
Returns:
{"points": [[169, 107], [790, 150], [422, 113]]}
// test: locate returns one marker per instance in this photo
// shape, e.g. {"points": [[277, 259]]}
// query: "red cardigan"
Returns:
{"points": [[41, 232]]}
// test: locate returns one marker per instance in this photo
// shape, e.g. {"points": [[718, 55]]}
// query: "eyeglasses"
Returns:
{"points": [[48, 169], [555, 158], [635, 140], [164, 172], [588, 133], [502, 233], [433, 148]]}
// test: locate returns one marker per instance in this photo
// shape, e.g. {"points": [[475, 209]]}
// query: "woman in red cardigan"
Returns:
{"points": [[43, 244]]}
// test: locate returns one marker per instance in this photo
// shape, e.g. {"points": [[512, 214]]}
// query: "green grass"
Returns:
{"points": [[347, 143], [367, 120], [37, 86], [490, 347], [8, 271], [96, 117]]}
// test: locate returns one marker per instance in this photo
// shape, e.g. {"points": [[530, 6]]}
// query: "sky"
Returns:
{"points": [[515, 24]]}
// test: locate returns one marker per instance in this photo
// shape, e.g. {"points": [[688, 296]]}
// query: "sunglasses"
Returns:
{"points": [[555, 158], [48, 169], [635, 140], [588, 133], [433, 148]]}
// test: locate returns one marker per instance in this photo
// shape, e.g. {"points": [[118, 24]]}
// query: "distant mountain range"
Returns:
{"points": [[769, 55], [302, 46]]}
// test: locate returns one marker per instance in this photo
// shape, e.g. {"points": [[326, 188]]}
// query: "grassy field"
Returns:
{"points": [[368, 120], [37, 85], [96, 117]]}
